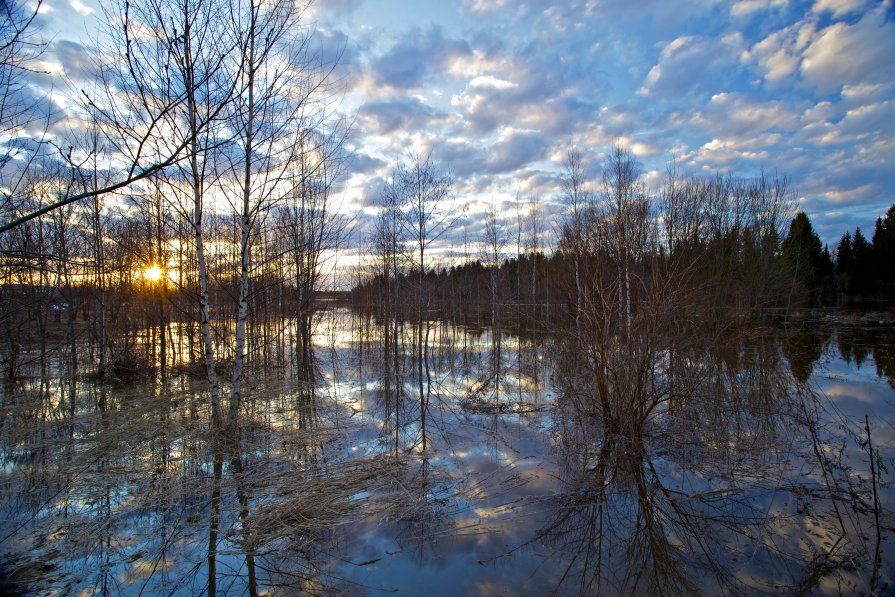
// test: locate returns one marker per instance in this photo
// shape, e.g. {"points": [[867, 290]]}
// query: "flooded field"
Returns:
{"points": [[483, 464]]}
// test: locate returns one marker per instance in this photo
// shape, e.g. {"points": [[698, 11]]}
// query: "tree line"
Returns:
{"points": [[722, 242], [862, 271]]}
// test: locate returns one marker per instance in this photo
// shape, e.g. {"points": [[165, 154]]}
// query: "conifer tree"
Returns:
{"points": [[803, 250], [861, 283], [884, 254]]}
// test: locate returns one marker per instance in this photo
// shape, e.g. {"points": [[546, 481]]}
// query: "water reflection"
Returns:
{"points": [[707, 497], [739, 476], [108, 488], [803, 345]]}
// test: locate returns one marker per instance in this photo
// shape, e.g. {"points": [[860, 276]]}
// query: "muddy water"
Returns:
{"points": [[750, 473]]}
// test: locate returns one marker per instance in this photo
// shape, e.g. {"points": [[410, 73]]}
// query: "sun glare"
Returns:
{"points": [[153, 273]]}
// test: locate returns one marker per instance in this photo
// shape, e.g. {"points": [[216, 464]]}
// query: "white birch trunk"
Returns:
{"points": [[245, 252]]}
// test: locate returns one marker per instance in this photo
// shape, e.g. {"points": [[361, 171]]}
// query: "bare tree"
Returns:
{"points": [[166, 91], [313, 229], [19, 47], [580, 202], [426, 190], [283, 149], [626, 214], [533, 232], [155, 76], [494, 247]]}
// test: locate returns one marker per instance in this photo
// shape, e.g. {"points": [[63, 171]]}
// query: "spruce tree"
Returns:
{"points": [[862, 277], [884, 254], [844, 263], [803, 251]]}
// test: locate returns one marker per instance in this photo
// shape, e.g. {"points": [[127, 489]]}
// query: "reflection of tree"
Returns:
{"points": [[803, 346], [857, 343], [381, 342], [624, 529], [710, 481], [129, 492], [884, 355], [854, 345]]}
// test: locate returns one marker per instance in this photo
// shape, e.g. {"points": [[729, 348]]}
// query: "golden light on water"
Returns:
{"points": [[153, 273]]}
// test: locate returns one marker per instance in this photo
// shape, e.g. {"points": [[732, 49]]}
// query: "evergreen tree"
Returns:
{"points": [[844, 263], [803, 251], [861, 283], [884, 254], [826, 275]]}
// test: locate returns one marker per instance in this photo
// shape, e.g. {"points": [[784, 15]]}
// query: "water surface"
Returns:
{"points": [[752, 473]]}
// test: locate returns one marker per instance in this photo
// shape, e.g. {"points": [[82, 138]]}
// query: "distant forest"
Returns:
{"points": [[716, 236]]}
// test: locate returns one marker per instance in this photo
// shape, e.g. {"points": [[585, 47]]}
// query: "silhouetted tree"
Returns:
{"points": [[803, 251], [884, 254], [861, 283], [845, 263]]}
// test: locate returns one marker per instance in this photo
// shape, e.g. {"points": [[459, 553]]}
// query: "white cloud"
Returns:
{"points": [[484, 6], [838, 7], [735, 117], [726, 153], [779, 54], [490, 81], [691, 64], [742, 8], [864, 92], [474, 64], [822, 111], [779, 65], [80, 8], [844, 54], [852, 195], [870, 119]]}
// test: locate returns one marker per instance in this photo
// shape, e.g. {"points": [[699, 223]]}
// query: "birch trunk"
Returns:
{"points": [[197, 190], [245, 253]]}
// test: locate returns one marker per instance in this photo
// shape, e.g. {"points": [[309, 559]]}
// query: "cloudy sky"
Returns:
{"points": [[498, 90]]}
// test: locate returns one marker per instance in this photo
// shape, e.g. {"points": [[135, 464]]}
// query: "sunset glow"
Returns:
{"points": [[153, 273]]}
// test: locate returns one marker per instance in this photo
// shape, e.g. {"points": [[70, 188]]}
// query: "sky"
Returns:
{"points": [[499, 90]]}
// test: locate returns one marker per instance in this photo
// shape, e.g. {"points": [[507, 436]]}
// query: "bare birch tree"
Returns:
{"points": [[580, 202], [283, 149], [19, 46], [426, 189], [164, 100]]}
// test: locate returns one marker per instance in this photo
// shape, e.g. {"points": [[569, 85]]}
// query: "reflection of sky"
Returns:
{"points": [[499, 485], [474, 515]]}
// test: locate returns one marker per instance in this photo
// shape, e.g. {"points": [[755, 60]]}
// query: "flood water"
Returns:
{"points": [[752, 474]]}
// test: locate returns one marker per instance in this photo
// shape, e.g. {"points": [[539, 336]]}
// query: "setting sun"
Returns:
{"points": [[153, 273]]}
